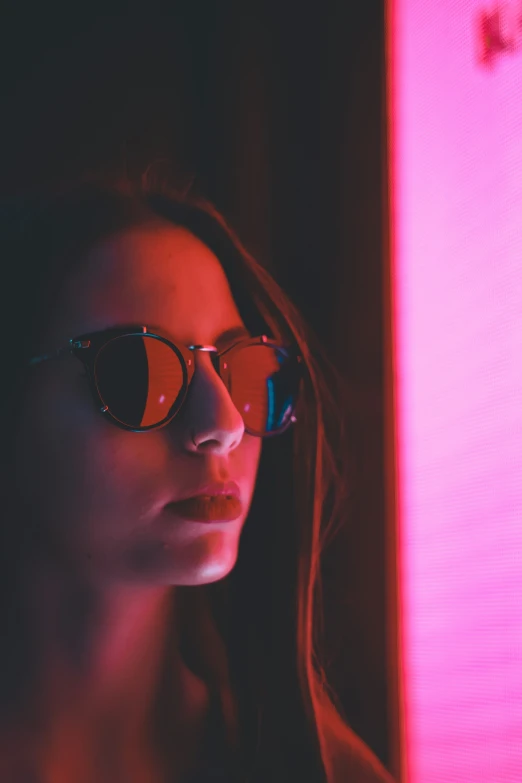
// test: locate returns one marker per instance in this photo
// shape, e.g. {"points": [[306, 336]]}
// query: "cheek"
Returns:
{"points": [[87, 476]]}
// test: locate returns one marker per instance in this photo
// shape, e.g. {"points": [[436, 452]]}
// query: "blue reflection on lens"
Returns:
{"points": [[271, 405]]}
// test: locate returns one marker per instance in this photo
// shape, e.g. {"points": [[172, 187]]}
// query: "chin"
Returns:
{"points": [[203, 573], [202, 560]]}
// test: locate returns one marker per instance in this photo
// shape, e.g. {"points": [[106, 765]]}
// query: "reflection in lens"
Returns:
{"points": [[263, 387], [139, 378]]}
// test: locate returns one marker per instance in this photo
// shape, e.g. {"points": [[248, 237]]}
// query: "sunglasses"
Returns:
{"points": [[139, 380]]}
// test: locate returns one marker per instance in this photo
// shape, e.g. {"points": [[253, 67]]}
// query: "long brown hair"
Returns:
{"points": [[257, 634]]}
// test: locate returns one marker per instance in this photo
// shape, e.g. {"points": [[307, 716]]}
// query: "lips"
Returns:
{"points": [[212, 489], [208, 508], [214, 501]]}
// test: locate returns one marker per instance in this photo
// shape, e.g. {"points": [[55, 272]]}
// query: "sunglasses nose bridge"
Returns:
{"points": [[207, 348], [211, 349]]}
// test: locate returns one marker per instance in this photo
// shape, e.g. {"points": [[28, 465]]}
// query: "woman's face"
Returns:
{"points": [[103, 489]]}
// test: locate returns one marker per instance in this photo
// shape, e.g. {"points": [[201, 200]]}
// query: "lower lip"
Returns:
{"points": [[220, 508]]}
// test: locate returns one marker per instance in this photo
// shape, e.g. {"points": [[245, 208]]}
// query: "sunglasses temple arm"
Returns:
{"points": [[55, 355]]}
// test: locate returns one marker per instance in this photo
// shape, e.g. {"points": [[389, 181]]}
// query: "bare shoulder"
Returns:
{"points": [[353, 761]]}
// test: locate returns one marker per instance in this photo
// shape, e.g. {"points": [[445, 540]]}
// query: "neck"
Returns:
{"points": [[104, 672]]}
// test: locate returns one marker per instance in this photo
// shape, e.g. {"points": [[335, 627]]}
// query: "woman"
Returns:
{"points": [[150, 359]]}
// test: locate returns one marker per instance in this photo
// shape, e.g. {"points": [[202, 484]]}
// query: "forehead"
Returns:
{"points": [[156, 274]]}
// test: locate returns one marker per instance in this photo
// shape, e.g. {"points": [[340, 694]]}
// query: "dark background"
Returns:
{"points": [[277, 114]]}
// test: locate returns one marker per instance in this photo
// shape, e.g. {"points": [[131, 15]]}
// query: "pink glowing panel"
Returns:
{"points": [[456, 209]]}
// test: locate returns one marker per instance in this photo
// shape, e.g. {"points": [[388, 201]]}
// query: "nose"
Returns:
{"points": [[212, 423]]}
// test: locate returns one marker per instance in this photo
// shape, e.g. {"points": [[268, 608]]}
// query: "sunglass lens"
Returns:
{"points": [[140, 379], [263, 383]]}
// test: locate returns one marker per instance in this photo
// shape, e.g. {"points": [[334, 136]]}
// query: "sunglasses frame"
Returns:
{"points": [[86, 348]]}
